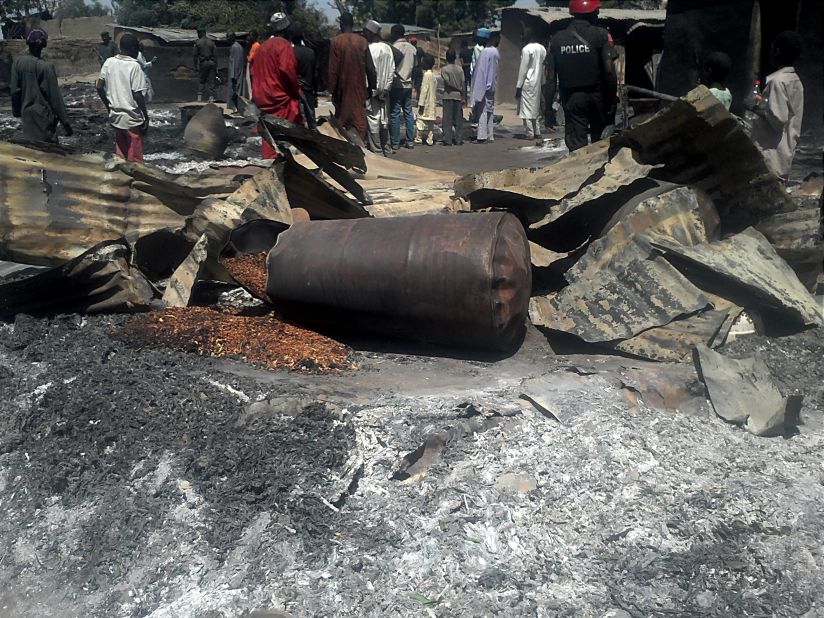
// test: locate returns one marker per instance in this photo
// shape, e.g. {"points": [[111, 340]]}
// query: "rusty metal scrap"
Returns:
{"points": [[530, 192], [698, 143], [745, 268], [206, 133], [607, 305], [618, 288], [743, 392], [178, 291], [618, 173], [315, 143], [54, 207], [675, 341], [310, 191], [459, 280], [331, 155], [99, 280], [680, 214], [797, 237]]}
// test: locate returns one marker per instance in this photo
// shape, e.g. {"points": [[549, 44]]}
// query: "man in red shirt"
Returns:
{"points": [[275, 88]]}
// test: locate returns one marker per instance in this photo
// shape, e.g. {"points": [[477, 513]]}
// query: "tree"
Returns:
{"points": [[14, 8], [80, 8], [218, 15], [449, 15]]}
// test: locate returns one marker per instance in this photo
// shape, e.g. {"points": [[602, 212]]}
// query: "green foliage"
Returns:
{"points": [[81, 8], [449, 15], [9, 8], [218, 15]]}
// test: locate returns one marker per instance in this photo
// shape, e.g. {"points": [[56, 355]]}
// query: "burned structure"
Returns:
{"points": [[638, 36], [744, 30]]}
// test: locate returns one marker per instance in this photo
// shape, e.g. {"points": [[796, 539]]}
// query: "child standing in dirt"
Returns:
{"points": [[122, 88], [427, 100], [454, 87]]}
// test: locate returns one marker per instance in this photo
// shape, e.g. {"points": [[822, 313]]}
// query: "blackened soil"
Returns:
{"points": [[105, 415]]}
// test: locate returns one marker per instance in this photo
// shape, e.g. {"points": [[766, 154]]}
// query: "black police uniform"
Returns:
{"points": [[578, 54]]}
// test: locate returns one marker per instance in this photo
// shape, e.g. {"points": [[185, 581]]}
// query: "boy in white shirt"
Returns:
{"points": [[122, 87]]}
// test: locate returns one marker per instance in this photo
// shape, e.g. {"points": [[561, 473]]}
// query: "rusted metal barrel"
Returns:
{"points": [[454, 280]]}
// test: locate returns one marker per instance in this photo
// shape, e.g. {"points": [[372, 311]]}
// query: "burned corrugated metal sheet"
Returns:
{"points": [[179, 289], [618, 173], [331, 155], [698, 143], [554, 14], [619, 289], [525, 189], [609, 305], [99, 280], [746, 269], [54, 206], [320, 199], [743, 392], [797, 237], [678, 214], [675, 341]]}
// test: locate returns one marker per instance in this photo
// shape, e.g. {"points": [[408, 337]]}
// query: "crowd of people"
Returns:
{"points": [[385, 93]]}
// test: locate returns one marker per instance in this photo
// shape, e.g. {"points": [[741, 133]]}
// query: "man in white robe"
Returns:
{"points": [[377, 106], [530, 83]]}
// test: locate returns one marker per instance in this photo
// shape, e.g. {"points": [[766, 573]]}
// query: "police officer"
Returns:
{"points": [[580, 61]]}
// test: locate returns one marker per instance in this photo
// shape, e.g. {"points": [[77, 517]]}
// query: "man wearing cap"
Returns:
{"points": [[275, 86], [237, 63], [481, 37], [205, 64], [484, 84], [580, 60], [106, 48], [35, 95], [401, 95], [377, 107], [122, 87], [351, 73]]}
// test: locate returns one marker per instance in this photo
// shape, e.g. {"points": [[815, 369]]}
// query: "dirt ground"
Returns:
{"points": [[141, 482]]}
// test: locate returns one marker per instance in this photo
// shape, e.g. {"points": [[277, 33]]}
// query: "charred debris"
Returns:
{"points": [[651, 245]]}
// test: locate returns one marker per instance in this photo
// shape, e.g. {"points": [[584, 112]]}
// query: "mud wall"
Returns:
{"points": [[173, 74], [71, 58], [744, 29], [513, 23], [78, 27]]}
